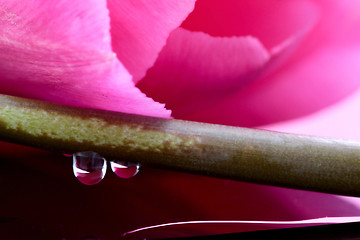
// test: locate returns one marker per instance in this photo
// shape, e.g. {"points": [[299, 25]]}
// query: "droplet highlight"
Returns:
{"points": [[124, 169], [89, 167]]}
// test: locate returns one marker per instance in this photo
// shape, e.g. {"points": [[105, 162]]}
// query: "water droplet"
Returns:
{"points": [[124, 169], [89, 167]]}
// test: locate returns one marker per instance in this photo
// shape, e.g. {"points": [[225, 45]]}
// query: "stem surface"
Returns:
{"points": [[271, 158]]}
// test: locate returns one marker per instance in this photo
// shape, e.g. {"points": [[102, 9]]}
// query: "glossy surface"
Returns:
{"points": [[89, 167], [124, 169], [43, 200]]}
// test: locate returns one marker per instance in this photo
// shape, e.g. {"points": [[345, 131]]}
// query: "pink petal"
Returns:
{"points": [[271, 21], [62, 53], [176, 196], [337, 121], [324, 69], [323, 78], [139, 30], [196, 69]]}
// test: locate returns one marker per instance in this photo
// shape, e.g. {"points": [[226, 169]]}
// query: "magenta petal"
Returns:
{"points": [[320, 80], [62, 53], [271, 21], [140, 28], [194, 69], [324, 69]]}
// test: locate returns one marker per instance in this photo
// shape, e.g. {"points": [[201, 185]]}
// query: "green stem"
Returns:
{"points": [[302, 162]]}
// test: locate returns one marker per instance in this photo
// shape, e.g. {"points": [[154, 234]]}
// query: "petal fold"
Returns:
{"points": [[61, 52], [140, 28], [323, 78], [318, 68], [195, 69], [271, 21]]}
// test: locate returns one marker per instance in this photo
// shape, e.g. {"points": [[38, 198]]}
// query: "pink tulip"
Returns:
{"points": [[249, 63]]}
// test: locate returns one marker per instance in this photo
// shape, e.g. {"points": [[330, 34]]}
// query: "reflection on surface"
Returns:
{"points": [[42, 200], [124, 169], [89, 167], [188, 225]]}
